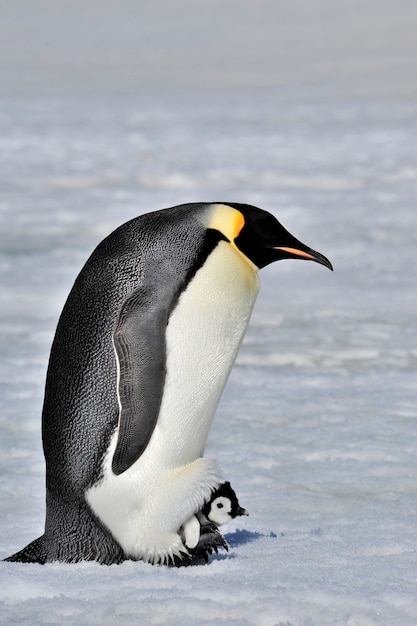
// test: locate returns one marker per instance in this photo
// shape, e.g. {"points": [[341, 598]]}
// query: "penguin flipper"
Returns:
{"points": [[139, 343]]}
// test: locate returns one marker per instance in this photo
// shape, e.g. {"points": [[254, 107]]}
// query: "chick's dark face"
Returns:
{"points": [[264, 240]]}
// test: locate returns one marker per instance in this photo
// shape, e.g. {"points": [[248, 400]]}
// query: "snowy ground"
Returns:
{"points": [[317, 427]]}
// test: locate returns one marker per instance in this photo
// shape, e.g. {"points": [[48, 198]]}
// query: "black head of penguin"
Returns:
{"points": [[263, 240]]}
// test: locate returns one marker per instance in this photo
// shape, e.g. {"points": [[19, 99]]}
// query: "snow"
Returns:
{"points": [[317, 427], [316, 430]]}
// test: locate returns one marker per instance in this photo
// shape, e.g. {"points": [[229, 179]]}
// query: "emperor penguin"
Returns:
{"points": [[142, 351]]}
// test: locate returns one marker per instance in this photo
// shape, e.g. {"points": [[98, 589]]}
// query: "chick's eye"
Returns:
{"points": [[219, 505]]}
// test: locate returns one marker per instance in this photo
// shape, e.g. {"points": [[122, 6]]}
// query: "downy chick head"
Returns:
{"points": [[223, 505]]}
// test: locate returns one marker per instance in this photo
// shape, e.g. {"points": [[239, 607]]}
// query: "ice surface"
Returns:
{"points": [[317, 428]]}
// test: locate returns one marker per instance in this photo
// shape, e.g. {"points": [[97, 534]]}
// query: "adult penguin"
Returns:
{"points": [[141, 354]]}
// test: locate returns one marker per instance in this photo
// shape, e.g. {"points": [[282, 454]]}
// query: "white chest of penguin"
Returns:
{"points": [[203, 338], [144, 506]]}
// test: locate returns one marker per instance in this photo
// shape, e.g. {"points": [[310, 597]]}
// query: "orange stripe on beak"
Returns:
{"points": [[296, 252]]}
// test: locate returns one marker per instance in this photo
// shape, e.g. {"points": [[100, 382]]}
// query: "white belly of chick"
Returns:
{"points": [[146, 505]]}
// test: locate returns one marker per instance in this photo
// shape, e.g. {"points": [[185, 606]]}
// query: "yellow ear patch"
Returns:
{"points": [[227, 220]]}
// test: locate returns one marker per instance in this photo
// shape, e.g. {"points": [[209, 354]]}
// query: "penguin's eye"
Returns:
{"points": [[220, 505]]}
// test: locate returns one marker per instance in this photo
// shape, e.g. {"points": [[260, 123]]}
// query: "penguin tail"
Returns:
{"points": [[35, 552]]}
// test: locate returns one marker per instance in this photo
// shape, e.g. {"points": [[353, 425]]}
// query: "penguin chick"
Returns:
{"points": [[222, 506], [202, 528]]}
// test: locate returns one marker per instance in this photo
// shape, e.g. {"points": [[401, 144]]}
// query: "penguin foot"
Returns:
{"points": [[210, 539]]}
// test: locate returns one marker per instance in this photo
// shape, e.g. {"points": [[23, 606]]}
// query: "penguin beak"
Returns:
{"points": [[303, 252], [241, 511]]}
